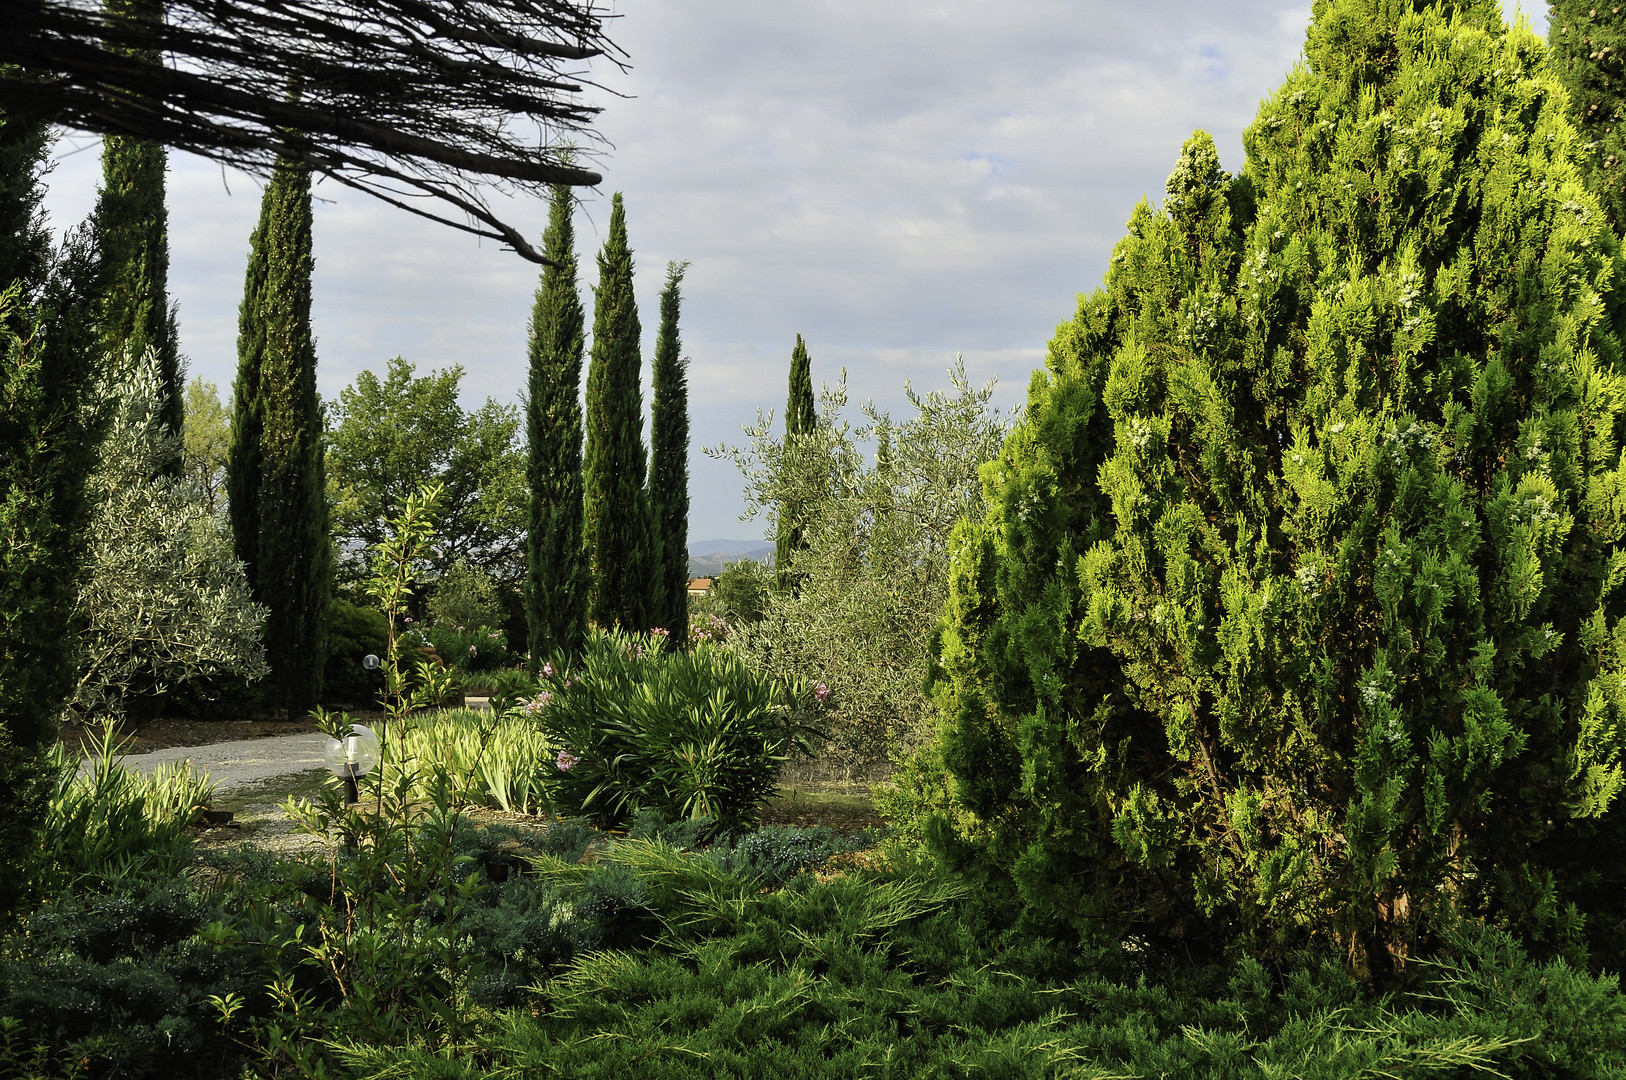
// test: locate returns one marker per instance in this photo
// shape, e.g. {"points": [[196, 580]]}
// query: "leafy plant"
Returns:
{"points": [[164, 599], [107, 821], [498, 760], [692, 734]]}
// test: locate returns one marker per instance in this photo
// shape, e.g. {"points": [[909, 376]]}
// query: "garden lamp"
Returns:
{"points": [[370, 662], [351, 757]]}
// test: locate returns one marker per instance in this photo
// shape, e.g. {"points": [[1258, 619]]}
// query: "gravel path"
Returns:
{"points": [[244, 762]]}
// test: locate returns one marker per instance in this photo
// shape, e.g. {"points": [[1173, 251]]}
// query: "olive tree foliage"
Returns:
{"points": [[1296, 612], [872, 570], [164, 599]]}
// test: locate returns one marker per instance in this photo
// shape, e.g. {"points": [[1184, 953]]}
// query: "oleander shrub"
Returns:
{"points": [[691, 733], [1295, 614]]}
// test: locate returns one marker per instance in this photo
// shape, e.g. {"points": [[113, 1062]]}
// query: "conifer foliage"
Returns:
{"points": [[556, 561], [801, 415], [1587, 40], [136, 312], [1297, 612], [48, 438], [274, 470], [669, 465], [620, 537]]}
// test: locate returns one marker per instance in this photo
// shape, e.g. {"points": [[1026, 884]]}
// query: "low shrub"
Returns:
{"points": [[492, 759], [107, 821], [691, 734], [472, 648], [353, 632]]}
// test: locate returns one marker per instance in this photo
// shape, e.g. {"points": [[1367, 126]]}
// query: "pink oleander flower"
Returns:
{"points": [[547, 670], [661, 631], [567, 761], [473, 651], [821, 693]]}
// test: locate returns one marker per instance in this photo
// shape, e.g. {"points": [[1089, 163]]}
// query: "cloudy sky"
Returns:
{"points": [[898, 182]]}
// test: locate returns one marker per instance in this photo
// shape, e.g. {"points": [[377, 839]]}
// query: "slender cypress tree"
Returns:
{"points": [[669, 464], [618, 531], [1586, 40], [48, 443], [556, 561], [274, 467], [801, 415], [136, 311]]}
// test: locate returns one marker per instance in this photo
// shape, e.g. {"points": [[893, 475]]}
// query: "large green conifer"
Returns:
{"points": [[669, 464], [1586, 40], [801, 414], [556, 560], [620, 539], [136, 311], [1297, 611], [274, 474], [49, 363]]}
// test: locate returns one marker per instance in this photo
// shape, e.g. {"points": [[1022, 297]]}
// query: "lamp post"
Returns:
{"points": [[352, 757]]}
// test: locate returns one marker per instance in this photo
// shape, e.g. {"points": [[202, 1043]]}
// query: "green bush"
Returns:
{"points": [[117, 982], [108, 822], [491, 759], [474, 649], [691, 734], [1295, 614], [353, 633]]}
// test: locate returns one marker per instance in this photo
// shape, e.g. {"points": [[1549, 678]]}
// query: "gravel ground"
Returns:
{"points": [[243, 762]]}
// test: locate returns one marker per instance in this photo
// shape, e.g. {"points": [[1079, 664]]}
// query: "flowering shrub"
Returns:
{"points": [[708, 627], [689, 733], [477, 648]]}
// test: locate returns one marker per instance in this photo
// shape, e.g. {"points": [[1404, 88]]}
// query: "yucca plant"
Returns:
{"points": [[692, 734]]}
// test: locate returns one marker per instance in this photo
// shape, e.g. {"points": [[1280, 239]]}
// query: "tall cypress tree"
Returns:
{"points": [[618, 531], [1586, 39], [801, 414], [274, 474], [48, 443], [136, 312], [556, 561], [1296, 612], [669, 464]]}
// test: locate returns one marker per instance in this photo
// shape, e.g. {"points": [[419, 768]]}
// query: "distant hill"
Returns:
{"points": [[708, 557]]}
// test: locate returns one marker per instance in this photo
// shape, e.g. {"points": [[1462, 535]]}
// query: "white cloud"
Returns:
{"points": [[897, 182]]}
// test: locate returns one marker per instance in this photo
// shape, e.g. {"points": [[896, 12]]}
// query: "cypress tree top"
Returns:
{"points": [[1296, 612]]}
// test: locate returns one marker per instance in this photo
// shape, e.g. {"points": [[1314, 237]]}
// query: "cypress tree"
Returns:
{"points": [[619, 535], [274, 473], [136, 311], [801, 416], [669, 464], [1296, 612], [48, 442], [556, 560], [1586, 40]]}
